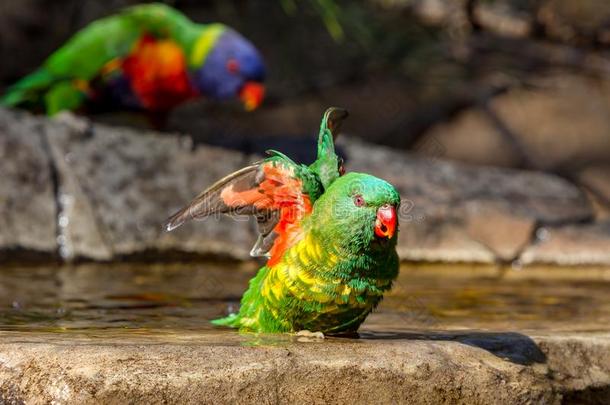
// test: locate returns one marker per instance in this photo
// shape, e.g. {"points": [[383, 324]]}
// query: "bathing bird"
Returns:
{"points": [[329, 238], [148, 57]]}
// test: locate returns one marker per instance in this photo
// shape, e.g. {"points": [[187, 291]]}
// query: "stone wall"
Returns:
{"points": [[77, 190]]}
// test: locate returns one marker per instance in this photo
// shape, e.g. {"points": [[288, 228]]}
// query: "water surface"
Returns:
{"points": [[175, 302]]}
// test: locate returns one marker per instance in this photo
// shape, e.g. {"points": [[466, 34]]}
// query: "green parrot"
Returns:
{"points": [[330, 239], [148, 57]]}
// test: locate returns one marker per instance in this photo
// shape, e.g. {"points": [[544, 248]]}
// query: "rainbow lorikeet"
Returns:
{"points": [[330, 239], [148, 57]]}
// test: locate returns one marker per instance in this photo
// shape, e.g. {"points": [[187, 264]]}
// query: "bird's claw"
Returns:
{"points": [[309, 336]]}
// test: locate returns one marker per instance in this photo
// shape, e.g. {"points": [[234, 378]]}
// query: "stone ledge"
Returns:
{"points": [[463, 367], [571, 245], [27, 203]]}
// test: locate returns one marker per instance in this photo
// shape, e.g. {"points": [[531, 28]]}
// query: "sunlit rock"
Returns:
{"points": [[27, 202]]}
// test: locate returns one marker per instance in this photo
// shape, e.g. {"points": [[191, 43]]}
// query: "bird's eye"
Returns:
{"points": [[233, 66], [358, 200]]}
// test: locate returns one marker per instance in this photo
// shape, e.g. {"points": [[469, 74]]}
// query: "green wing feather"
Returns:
{"points": [[326, 165], [90, 49], [27, 89]]}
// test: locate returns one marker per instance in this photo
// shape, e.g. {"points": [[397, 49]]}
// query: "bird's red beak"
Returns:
{"points": [[252, 94], [385, 225]]}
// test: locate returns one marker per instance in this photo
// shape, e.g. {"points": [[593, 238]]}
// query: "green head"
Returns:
{"points": [[358, 214]]}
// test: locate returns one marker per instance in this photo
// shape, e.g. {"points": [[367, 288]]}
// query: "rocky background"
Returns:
{"points": [[491, 117], [73, 189]]}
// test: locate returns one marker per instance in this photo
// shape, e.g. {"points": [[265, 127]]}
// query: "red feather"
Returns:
{"points": [[157, 72], [279, 190]]}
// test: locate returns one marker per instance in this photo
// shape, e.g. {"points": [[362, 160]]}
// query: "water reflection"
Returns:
{"points": [[179, 300]]}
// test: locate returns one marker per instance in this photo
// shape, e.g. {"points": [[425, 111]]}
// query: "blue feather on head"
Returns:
{"points": [[233, 67]]}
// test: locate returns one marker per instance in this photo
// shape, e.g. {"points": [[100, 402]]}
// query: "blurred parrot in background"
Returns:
{"points": [[148, 57], [330, 239]]}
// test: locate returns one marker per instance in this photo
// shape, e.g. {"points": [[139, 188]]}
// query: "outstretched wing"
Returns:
{"points": [[276, 191]]}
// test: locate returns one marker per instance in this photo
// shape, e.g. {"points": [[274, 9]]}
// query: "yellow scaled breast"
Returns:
{"points": [[298, 275]]}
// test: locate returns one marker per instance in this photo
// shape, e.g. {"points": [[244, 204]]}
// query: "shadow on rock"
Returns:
{"points": [[514, 347], [590, 395]]}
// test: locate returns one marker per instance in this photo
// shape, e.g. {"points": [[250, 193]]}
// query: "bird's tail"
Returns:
{"points": [[29, 91], [232, 321], [43, 91]]}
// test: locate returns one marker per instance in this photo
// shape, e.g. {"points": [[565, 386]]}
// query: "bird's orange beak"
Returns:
{"points": [[252, 95], [385, 225]]}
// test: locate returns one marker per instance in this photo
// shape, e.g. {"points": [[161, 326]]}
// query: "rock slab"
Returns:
{"points": [[473, 369], [121, 185], [96, 192], [27, 202], [454, 212]]}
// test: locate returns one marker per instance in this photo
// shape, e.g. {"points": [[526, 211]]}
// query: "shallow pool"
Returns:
{"points": [[157, 300]]}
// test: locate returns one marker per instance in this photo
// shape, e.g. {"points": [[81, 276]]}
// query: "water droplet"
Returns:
{"points": [[517, 265], [63, 221], [542, 234], [65, 252], [65, 199], [231, 309]]}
